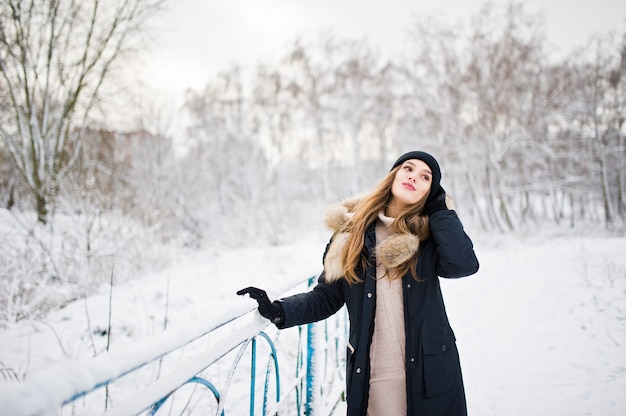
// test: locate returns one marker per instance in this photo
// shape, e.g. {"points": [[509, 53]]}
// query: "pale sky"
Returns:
{"points": [[199, 38]]}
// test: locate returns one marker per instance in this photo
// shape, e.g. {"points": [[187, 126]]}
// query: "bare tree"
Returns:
{"points": [[54, 58], [503, 83], [335, 86], [600, 87], [310, 82], [355, 77], [617, 109], [438, 104]]}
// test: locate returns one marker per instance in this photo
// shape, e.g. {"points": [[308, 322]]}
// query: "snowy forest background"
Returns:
{"points": [[526, 141]]}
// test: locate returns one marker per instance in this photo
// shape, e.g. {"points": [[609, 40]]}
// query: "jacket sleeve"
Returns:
{"points": [[455, 250], [321, 302]]}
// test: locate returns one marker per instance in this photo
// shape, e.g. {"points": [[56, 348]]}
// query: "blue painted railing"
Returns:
{"points": [[304, 374]]}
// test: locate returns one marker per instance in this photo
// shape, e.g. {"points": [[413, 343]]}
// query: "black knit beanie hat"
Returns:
{"points": [[430, 161]]}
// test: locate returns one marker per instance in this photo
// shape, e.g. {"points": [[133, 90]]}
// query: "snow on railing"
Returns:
{"points": [[306, 365]]}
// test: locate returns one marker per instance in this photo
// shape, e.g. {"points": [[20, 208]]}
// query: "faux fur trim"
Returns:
{"points": [[397, 249], [450, 202], [337, 216], [393, 252], [333, 269], [340, 213]]}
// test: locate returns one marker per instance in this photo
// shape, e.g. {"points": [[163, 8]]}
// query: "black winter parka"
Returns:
{"points": [[433, 371]]}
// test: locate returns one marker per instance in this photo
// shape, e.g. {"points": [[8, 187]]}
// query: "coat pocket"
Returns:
{"points": [[442, 369], [349, 365]]}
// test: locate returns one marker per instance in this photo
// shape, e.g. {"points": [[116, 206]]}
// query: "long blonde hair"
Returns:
{"points": [[410, 220]]}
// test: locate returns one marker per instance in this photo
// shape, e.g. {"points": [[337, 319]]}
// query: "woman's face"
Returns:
{"points": [[411, 184]]}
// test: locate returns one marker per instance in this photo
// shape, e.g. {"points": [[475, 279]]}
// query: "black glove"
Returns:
{"points": [[268, 309], [436, 202]]}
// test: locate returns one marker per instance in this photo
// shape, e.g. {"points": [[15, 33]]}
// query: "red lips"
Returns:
{"points": [[408, 186]]}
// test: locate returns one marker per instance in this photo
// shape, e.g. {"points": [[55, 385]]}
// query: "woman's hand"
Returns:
{"points": [[437, 203], [268, 309]]}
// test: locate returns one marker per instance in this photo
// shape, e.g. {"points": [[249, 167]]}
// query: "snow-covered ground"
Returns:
{"points": [[541, 328]]}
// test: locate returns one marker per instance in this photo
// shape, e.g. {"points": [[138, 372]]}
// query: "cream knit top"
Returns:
{"points": [[387, 394]]}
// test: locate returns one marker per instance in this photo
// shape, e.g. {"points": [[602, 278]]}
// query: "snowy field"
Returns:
{"points": [[541, 328]]}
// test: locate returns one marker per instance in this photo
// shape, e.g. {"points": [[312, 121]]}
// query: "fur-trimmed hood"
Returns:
{"points": [[391, 253]]}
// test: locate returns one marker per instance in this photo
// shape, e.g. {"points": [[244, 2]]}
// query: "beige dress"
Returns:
{"points": [[387, 394]]}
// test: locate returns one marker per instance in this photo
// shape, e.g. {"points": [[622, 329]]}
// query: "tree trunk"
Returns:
{"points": [[606, 193], [42, 209]]}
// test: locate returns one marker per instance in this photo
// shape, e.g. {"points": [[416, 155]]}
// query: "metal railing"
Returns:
{"points": [[199, 370]]}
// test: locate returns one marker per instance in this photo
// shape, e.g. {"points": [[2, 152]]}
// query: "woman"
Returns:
{"points": [[383, 263]]}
